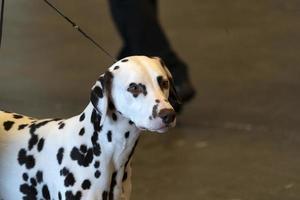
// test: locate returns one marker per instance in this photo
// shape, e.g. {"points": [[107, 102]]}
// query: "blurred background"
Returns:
{"points": [[237, 140]]}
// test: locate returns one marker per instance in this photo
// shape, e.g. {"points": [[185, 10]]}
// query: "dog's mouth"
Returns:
{"points": [[159, 130]]}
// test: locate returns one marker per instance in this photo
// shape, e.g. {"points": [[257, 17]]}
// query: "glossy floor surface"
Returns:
{"points": [[239, 139]]}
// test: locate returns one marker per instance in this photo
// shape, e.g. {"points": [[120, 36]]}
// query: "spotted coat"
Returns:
{"points": [[86, 156]]}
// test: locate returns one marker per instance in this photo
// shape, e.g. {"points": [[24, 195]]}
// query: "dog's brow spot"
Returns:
{"points": [[157, 100], [124, 60]]}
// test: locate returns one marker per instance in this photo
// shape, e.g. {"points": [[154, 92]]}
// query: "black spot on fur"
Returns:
{"points": [[97, 149], [95, 137], [59, 196], [8, 124], [61, 126], [45, 191], [60, 155], [71, 196], [29, 191], [104, 195], [82, 116], [109, 136], [111, 105], [127, 134], [83, 159], [33, 127], [97, 164], [114, 116], [32, 141], [28, 160], [98, 91], [82, 131], [96, 145], [154, 111], [86, 184], [17, 116], [39, 176], [83, 148], [22, 126], [97, 174], [95, 120], [143, 88], [116, 67], [157, 100], [124, 60], [69, 180], [130, 122], [33, 181], [64, 171], [40, 144], [25, 176]]}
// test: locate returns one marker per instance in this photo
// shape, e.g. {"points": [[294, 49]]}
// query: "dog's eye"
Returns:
{"points": [[134, 89], [165, 84]]}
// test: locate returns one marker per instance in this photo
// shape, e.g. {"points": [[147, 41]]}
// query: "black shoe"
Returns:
{"points": [[185, 91]]}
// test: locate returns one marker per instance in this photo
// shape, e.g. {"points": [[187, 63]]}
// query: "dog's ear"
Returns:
{"points": [[174, 98], [101, 95]]}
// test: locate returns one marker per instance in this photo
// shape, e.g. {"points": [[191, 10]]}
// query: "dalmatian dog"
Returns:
{"points": [[88, 156]]}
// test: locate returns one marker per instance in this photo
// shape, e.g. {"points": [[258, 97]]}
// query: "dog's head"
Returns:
{"points": [[139, 88]]}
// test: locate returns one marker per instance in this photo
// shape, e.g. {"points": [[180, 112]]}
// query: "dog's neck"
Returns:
{"points": [[117, 136]]}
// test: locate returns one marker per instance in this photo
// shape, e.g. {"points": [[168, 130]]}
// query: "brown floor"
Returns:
{"points": [[238, 140]]}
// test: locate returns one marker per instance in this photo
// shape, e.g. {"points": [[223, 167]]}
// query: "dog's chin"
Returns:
{"points": [[159, 128]]}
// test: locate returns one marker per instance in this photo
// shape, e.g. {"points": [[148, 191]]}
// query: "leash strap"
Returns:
{"points": [[1, 20], [75, 26]]}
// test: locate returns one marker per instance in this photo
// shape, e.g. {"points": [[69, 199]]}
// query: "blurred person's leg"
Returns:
{"points": [[138, 23]]}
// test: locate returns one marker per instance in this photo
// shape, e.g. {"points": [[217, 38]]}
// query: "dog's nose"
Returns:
{"points": [[167, 115]]}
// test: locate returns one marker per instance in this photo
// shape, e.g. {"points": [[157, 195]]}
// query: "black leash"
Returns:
{"points": [[1, 20], [80, 30]]}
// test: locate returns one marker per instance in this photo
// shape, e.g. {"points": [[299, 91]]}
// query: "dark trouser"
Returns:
{"points": [[138, 23]]}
